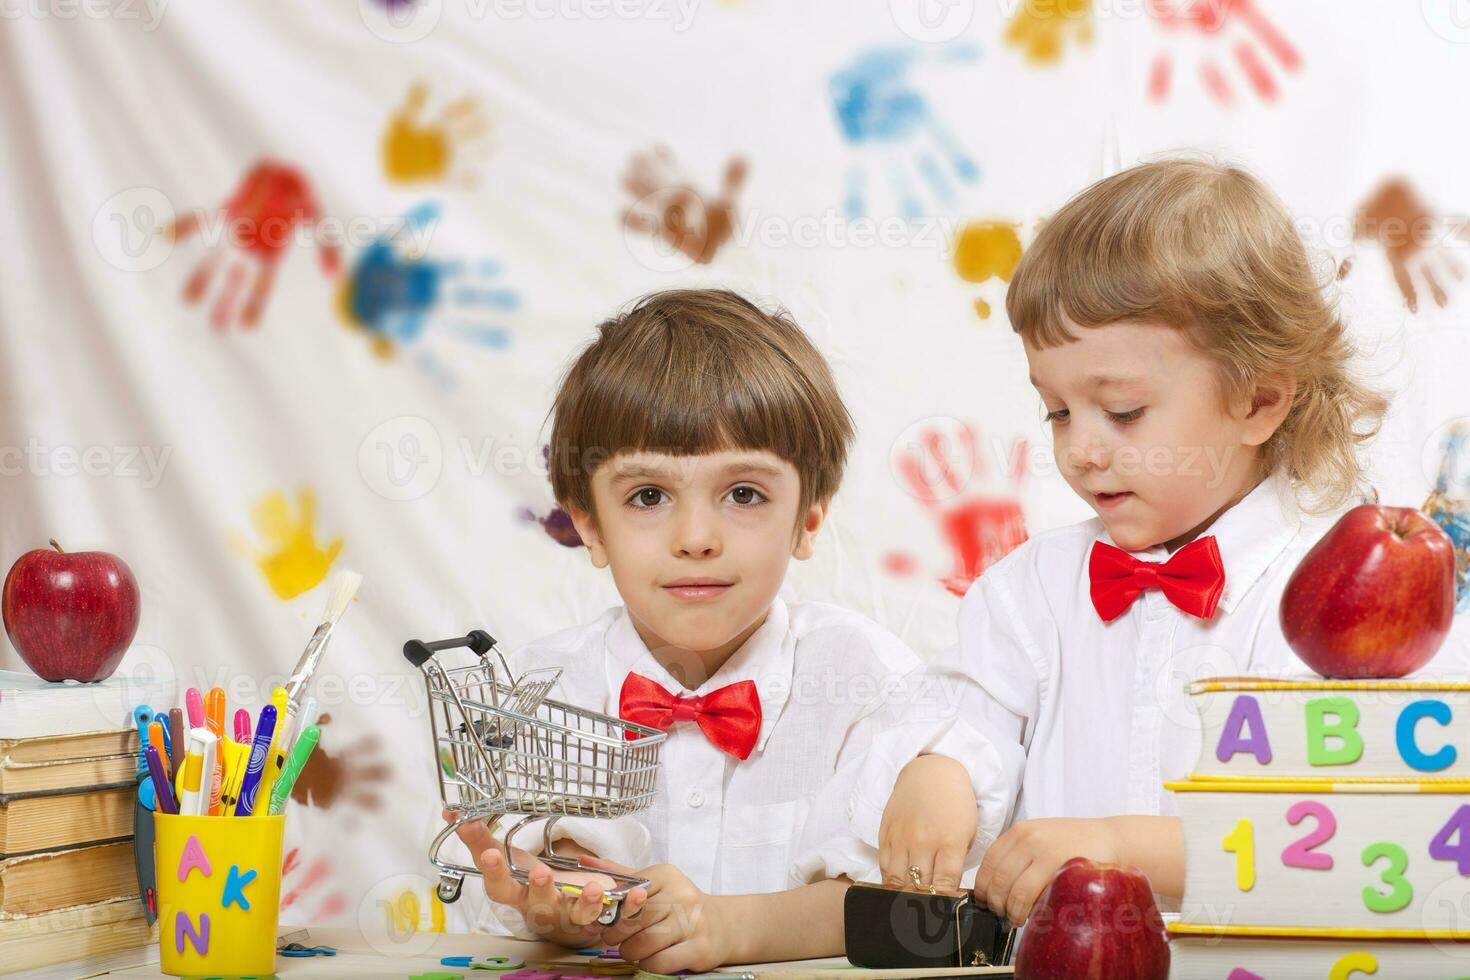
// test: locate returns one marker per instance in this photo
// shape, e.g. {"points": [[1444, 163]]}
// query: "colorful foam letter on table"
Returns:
{"points": [[1240, 973], [1246, 711], [1343, 726], [183, 927], [1352, 963], [1409, 748]]}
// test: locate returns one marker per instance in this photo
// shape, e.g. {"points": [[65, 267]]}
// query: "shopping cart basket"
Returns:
{"points": [[503, 748]]}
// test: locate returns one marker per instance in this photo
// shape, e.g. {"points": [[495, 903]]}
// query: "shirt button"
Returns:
{"points": [[696, 798]]}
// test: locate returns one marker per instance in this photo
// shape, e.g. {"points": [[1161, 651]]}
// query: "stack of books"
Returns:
{"points": [[68, 882], [1327, 831]]}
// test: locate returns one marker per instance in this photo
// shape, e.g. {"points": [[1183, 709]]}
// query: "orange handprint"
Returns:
{"points": [[986, 250], [260, 218], [417, 150], [1041, 28], [937, 467], [668, 207], [1412, 239]]}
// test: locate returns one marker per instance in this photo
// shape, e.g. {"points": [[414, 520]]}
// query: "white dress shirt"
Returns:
{"points": [[1093, 715], [831, 683]]}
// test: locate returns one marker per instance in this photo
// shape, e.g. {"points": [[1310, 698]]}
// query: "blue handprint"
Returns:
{"points": [[878, 108], [394, 295]]}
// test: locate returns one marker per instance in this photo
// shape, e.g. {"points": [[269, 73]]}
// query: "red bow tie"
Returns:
{"points": [[730, 717], [1193, 579]]}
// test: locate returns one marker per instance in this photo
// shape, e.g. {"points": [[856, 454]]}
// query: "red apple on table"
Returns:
{"points": [[1094, 922], [1374, 597], [70, 614]]}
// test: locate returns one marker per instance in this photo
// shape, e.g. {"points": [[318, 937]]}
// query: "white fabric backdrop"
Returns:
{"points": [[421, 462]]}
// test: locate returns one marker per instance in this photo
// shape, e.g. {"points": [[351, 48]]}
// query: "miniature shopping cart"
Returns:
{"points": [[502, 747]]}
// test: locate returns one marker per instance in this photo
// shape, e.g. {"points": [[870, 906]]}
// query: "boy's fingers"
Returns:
{"points": [[949, 865], [499, 885], [679, 956], [895, 870], [626, 928], [1026, 891], [603, 864], [587, 906], [1003, 876], [475, 834]]}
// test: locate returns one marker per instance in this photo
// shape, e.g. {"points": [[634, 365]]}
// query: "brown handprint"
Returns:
{"points": [[667, 206], [260, 219], [415, 149], [1412, 239], [351, 776], [980, 528]]}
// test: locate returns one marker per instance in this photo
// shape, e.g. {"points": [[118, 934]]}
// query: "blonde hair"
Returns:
{"points": [[1208, 249], [694, 371]]}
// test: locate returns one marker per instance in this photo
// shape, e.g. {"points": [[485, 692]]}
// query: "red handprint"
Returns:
{"points": [[1211, 18], [260, 218], [980, 528], [309, 883]]}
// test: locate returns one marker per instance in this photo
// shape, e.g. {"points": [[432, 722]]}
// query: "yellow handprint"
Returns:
{"points": [[1041, 28], [986, 250], [291, 560], [425, 151]]}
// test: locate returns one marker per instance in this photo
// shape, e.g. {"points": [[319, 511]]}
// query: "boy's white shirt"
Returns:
{"points": [[1091, 717], [786, 815]]}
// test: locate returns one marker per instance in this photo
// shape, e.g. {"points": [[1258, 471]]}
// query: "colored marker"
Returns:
{"points": [[250, 785], [236, 755], [214, 720], [163, 793], [157, 739], [275, 760], [214, 711], [242, 726], [194, 702], [210, 772], [193, 789], [299, 754], [174, 735], [309, 710]]}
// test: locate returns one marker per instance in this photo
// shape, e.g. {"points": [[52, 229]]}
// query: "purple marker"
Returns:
{"points": [[250, 785], [163, 792]]}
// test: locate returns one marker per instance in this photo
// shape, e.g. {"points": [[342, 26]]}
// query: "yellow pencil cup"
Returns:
{"points": [[219, 893]]}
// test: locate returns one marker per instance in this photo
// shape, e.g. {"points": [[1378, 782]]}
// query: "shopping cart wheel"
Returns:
{"points": [[449, 887]]}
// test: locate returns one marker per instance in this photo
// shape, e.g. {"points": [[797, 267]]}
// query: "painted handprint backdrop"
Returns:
{"points": [[287, 289]]}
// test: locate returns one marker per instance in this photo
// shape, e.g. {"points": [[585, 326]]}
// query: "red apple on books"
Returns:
{"points": [[1374, 597], [1094, 922], [70, 614]]}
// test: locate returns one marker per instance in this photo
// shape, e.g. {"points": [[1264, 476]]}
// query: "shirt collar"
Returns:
{"points": [[1250, 535], [768, 658]]}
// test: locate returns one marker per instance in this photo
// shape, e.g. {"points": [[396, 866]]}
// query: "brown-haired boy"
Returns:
{"points": [[696, 444]]}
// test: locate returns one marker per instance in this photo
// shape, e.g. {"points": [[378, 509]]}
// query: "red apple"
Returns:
{"points": [[1094, 922], [70, 614], [1375, 597]]}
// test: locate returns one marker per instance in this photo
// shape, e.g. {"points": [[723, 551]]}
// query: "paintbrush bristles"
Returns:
{"points": [[343, 591]]}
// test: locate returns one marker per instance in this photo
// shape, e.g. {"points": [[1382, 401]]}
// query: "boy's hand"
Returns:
{"points": [[570, 920], [929, 823], [1022, 861], [680, 928]]}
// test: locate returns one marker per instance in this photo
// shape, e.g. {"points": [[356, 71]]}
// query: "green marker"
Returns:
{"points": [[305, 742]]}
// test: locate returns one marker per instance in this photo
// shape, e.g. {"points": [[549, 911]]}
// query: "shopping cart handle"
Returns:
{"points": [[418, 652]]}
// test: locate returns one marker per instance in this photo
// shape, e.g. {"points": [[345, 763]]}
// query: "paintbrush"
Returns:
{"points": [[343, 588]]}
